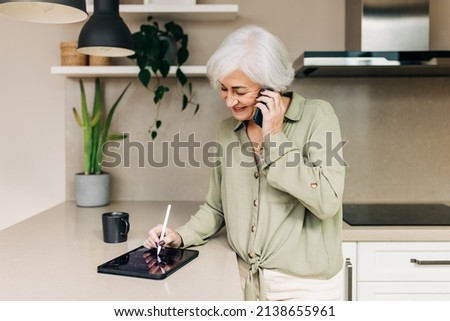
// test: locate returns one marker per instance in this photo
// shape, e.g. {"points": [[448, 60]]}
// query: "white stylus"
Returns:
{"points": [[163, 232]]}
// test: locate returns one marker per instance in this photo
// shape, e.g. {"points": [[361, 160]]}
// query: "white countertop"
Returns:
{"points": [[54, 255], [395, 233]]}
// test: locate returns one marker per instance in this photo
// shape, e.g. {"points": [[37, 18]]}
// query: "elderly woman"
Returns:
{"points": [[279, 193]]}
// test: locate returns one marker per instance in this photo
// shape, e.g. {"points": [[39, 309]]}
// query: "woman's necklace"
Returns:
{"points": [[255, 135]]}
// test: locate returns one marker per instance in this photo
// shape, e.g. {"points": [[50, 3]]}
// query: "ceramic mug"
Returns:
{"points": [[116, 226]]}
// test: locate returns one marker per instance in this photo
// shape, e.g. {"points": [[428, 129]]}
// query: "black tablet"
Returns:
{"points": [[145, 263]]}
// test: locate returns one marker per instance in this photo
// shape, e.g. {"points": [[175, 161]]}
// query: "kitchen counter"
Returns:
{"points": [[425, 222], [395, 233], [54, 255]]}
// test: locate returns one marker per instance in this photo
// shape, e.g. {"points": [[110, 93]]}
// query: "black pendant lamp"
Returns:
{"points": [[47, 11], [105, 34]]}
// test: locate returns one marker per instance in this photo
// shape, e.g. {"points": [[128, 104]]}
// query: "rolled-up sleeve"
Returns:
{"points": [[311, 170]]}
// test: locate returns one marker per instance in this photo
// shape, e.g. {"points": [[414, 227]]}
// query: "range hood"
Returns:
{"points": [[383, 38]]}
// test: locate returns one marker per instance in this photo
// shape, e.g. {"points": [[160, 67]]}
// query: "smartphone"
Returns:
{"points": [[258, 116]]}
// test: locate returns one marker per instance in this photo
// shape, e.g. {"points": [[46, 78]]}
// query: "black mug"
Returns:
{"points": [[116, 226]]}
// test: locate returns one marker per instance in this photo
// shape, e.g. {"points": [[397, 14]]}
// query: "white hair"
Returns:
{"points": [[257, 53]]}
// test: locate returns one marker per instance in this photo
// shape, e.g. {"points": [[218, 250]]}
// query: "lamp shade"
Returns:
{"points": [[48, 11], [105, 34]]}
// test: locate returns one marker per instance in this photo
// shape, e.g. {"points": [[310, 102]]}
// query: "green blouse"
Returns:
{"points": [[284, 213]]}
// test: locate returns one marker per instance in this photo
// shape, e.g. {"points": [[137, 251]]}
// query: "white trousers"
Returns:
{"points": [[284, 287]]}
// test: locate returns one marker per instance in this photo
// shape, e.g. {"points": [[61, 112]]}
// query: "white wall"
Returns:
{"points": [[32, 122]]}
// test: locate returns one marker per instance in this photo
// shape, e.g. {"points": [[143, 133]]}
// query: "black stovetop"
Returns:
{"points": [[396, 214]]}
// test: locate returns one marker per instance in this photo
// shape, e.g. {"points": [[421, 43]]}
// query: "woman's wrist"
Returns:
{"points": [[179, 242]]}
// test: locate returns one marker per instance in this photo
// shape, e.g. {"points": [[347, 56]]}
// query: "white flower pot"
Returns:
{"points": [[92, 190]]}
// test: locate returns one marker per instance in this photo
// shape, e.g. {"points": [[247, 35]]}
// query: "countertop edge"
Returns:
{"points": [[349, 233], [395, 233]]}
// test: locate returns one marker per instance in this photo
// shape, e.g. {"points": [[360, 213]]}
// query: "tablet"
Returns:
{"points": [[145, 263]]}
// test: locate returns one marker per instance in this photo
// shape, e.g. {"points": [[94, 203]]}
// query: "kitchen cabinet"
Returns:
{"points": [[349, 251], [200, 12], [403, 271]]}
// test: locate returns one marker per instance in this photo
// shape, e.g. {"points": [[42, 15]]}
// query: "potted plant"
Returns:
{"points": [[92, 186], [156, 49]]}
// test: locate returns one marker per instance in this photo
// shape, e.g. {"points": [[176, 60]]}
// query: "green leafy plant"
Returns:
{"points": [[96, 127], [152, 44]]}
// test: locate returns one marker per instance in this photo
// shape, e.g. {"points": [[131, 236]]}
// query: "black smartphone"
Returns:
{"points": [[258, 116]]}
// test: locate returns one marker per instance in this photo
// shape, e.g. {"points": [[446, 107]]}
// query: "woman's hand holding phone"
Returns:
{"points": [[272, 109]]}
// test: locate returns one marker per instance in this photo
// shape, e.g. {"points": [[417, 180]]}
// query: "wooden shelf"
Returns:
{"points": [[118, 71], [199, 12], [135, 12]]}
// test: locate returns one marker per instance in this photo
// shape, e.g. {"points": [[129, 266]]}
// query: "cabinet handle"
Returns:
{"points": [[430, 262], [349, 267]]}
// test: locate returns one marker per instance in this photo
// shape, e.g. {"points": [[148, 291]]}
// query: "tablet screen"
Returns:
{"points": [[145, 263]]}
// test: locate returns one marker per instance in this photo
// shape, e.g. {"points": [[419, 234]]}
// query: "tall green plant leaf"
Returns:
{"points": [[86, 130], [77, 117], [96, 125], [105, 130], [93, 142]]}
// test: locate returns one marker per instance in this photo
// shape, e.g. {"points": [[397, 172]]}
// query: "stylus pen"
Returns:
{"points": [[163, 232]]}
